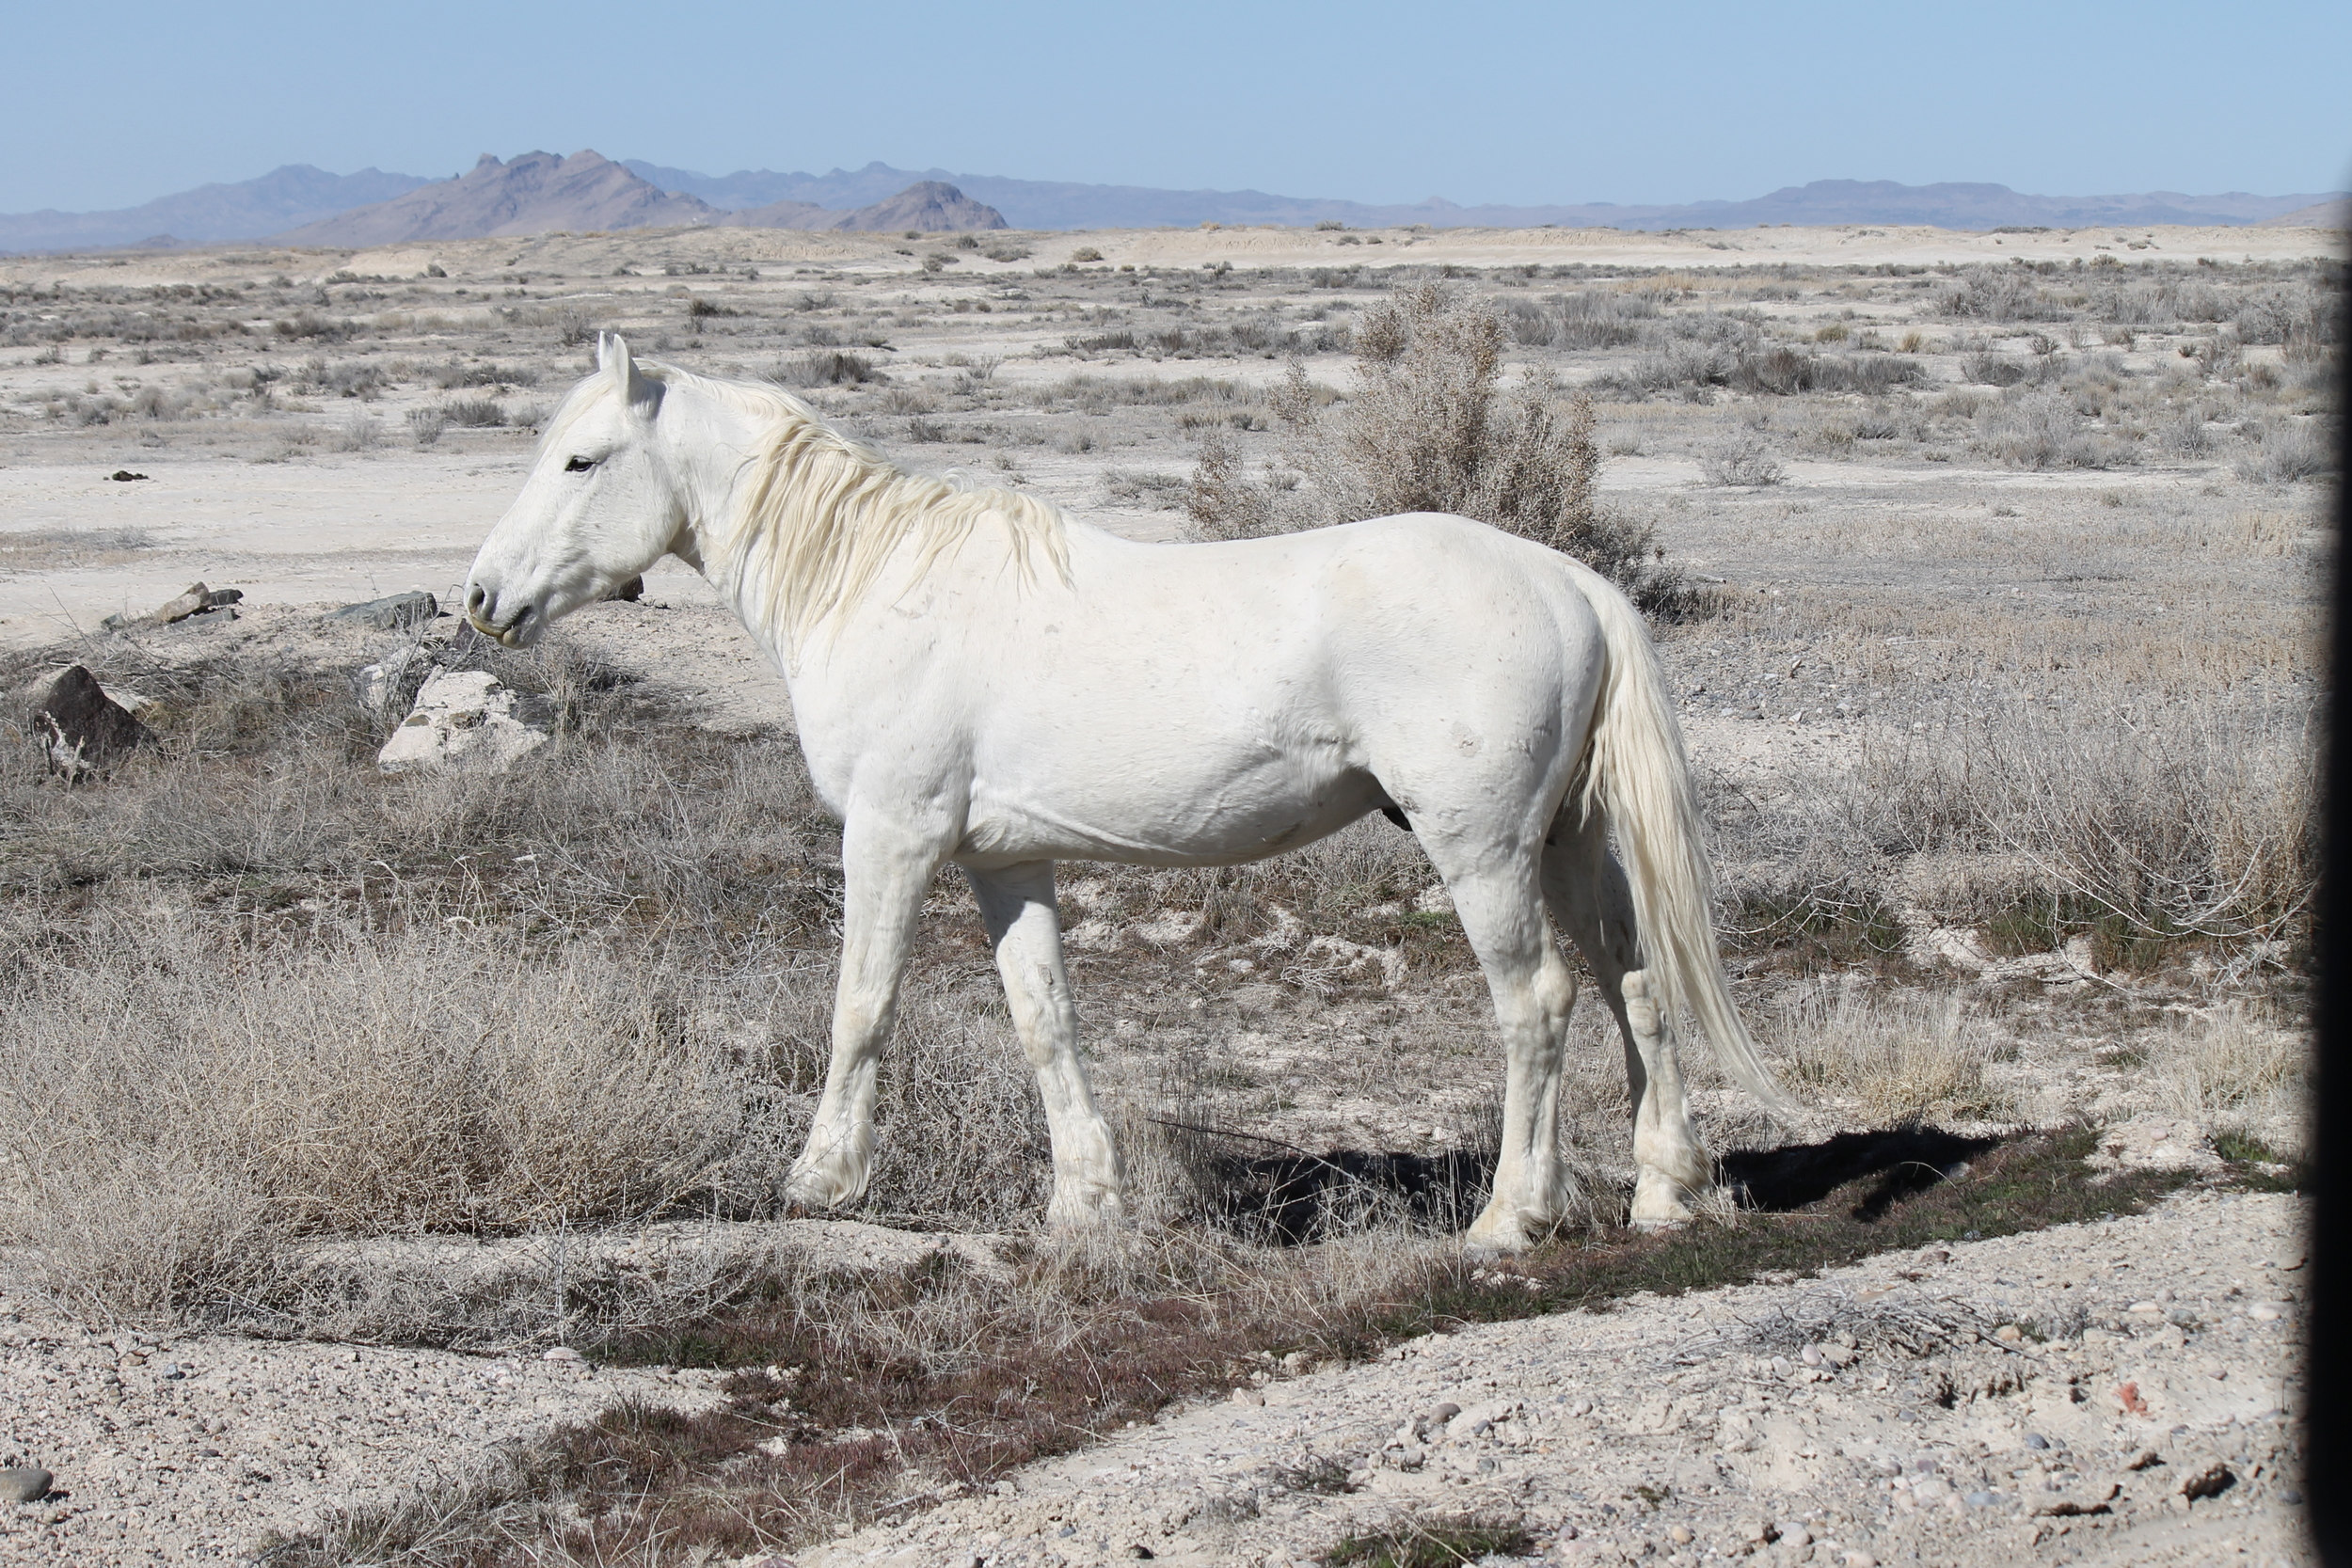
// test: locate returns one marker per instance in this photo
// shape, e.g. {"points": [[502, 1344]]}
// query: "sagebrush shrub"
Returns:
{"points": [[1430, 428]]}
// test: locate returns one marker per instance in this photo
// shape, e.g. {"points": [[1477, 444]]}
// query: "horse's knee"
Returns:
{"points": [[1642, 1013]]}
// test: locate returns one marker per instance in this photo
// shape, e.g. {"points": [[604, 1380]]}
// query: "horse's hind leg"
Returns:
{"points": [[1017, 903], [1500, 906], [1586, 890]]}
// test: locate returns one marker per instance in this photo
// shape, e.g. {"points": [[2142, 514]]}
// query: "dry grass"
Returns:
{"points": [[2174, 821], [198, 1100], [45, 549], [1897, 1058], [2230, 1064]]}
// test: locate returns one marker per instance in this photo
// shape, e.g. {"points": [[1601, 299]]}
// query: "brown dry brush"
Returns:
{"points": [[1428, 427], [889, 1394]]}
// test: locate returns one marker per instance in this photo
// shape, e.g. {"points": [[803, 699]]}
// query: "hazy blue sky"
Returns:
{"points": [[108, 105]]}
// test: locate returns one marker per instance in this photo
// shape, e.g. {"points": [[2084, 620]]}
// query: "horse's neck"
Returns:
{"points": [[711, 461]]}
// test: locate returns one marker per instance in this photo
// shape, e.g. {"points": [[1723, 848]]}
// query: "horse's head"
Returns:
{"points": [[600, 507]]}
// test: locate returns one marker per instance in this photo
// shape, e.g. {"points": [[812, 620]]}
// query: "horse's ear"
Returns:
{"points": [[637, 390]]}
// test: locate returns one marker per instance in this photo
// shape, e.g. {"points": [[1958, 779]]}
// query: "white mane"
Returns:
{"points": [[820, 517]]}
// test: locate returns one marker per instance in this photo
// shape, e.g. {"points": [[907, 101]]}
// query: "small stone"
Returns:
{"points": [[1679, 1535], [24, 1484], [124, 475], [1249, 1396], [1441, 1413], [1861, 1560], [1795, 1535], [1781, 1368], [561, 1353], [198, 597], [2035, 1440], [2009, 1333], [2144, 1308], [2212, 1481], [1982, 1499], [1810, 1355], [397, 612]]}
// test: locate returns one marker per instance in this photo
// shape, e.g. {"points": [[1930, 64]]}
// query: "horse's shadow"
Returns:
{"points": [[1295, 1197]]}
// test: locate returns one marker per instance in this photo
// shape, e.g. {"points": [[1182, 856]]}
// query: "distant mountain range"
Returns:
{"points": [[282, 198], [539, 192], [1049, 205]]}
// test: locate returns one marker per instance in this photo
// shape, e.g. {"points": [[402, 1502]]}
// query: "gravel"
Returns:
{"points": [[200, 1450], [1694, 1429]]}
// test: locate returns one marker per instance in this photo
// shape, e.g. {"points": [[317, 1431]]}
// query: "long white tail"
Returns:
{"points": [[1638, 780]]}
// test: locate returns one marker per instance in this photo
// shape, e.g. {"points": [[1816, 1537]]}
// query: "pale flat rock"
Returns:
{"points": [[467, 719]]}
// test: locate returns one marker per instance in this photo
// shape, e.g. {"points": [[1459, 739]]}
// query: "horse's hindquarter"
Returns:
{"points": [[1205, 704]]}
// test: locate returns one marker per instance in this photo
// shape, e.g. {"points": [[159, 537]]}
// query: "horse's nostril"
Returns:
{"points": [[474, 597]]}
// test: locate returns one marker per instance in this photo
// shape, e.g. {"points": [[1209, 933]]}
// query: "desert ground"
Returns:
{"points": [[1984, 568]]}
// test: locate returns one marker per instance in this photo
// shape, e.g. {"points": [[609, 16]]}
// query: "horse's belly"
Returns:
{"points": [[1262, 812]]}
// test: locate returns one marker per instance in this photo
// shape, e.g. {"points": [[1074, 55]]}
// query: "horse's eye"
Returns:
{"points": [[580, 464]]}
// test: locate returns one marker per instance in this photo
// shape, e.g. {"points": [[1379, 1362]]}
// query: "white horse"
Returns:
{"points": [[978, 679]]}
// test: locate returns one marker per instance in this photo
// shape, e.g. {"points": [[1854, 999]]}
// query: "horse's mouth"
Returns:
{"points": [[511, 637]]}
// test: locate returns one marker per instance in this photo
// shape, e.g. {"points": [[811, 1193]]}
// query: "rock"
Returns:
{"points": [[467, 719], [2209, 1481], [391, 683], [195, 599], [561, 1353], [82, 729], [124, 475], [399, 613], [24, 1484]]}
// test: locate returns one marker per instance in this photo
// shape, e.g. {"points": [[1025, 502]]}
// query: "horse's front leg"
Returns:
{"points": [[886, 867], [1017, 904]]}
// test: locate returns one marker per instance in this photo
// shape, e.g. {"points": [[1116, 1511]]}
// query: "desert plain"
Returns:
{"points": [[1985, 569]]}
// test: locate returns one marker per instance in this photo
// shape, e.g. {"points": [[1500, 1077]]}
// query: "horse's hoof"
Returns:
{"points": [[813, 1198], [1490, 1238], [1668, 1222]]}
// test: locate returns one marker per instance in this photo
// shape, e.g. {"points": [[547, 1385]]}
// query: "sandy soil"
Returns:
{"points": [[1881, 1414]]}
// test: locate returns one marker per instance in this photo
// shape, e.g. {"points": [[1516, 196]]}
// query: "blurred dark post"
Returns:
{"points": [[2328, 1453]]}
